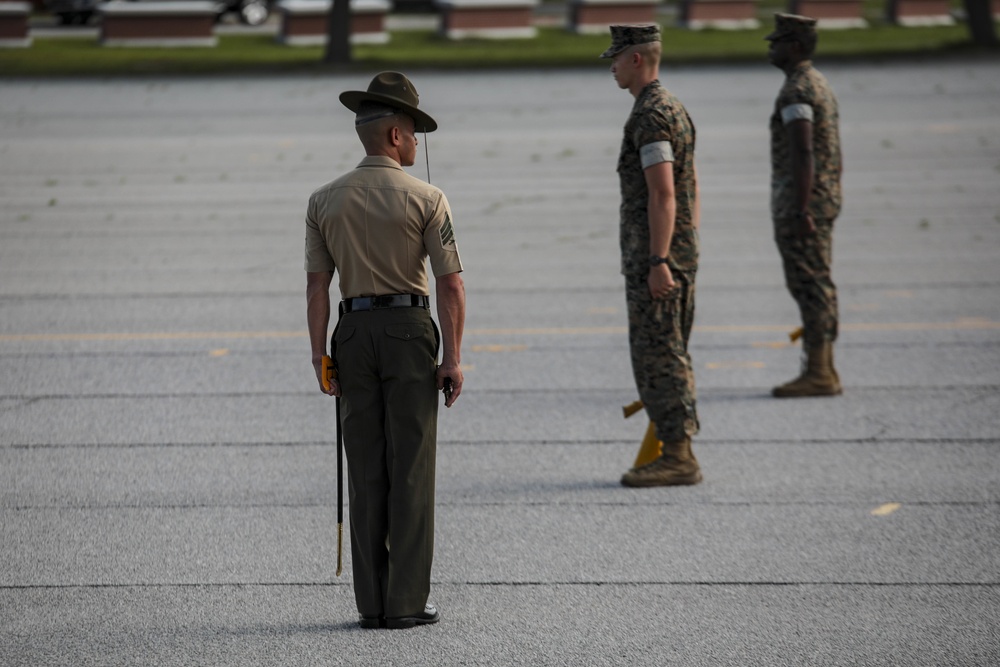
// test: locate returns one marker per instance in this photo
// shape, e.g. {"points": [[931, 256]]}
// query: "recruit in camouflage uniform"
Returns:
{"points": [[658, 130], [805, 197]]}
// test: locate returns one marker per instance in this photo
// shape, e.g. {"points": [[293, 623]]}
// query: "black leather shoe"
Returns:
{"points": [[428, 616], [371, 622]]}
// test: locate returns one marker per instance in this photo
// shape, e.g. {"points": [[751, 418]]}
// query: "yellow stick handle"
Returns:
{"points": [[650, 449], [795, 335], [340, 548], [329, 372], [632, 408]]}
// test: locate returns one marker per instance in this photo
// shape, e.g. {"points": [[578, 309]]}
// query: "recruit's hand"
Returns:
{"points": [[661, 281], [334, 384], [454, 374]]}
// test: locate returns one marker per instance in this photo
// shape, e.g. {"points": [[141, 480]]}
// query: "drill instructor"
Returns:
{"points": [[376, 226]]}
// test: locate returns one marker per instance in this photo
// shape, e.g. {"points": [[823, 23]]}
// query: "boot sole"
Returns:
{"points": [[810, 394], [689, 480]]}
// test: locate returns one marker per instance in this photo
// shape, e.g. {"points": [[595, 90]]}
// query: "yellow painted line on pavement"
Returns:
{"points": [[499, 348], [166, 335], [968, 323], [964, 324], [221, 352], [548, 331], [726, 365], [886, 509]]}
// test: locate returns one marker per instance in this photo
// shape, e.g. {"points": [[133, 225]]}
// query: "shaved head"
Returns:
{"points": [[651, 51]]}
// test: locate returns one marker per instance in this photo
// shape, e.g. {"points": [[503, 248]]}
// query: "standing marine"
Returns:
{"points": [[805, 198], [376, 227], [659, 252]]}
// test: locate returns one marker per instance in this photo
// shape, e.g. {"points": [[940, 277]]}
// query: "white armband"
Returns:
{"points": [[796, 112], [655, 153]]}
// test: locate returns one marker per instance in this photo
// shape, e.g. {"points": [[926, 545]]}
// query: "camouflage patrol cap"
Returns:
{"points": [[624, 36], [792, 25]]}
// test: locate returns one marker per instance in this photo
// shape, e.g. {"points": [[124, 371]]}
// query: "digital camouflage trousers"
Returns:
{"points": [[807, 264], [658, 340]]}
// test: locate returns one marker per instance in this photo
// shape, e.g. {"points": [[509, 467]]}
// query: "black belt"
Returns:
{"points": [[387, 301]]}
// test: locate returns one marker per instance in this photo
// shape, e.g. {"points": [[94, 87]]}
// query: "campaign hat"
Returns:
{"points": [[792, 25], [395, 90], [624, 36]]}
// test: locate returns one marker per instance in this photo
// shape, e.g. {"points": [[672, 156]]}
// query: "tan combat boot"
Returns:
{"points": [[819, 378], [677, 466]]}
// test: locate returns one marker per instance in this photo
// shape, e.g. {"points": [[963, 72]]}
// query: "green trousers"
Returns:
{"points": [[658, 334], [807, 264], [386, 361]]}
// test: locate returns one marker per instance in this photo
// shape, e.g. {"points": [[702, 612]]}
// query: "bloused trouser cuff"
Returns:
{"points": [[659, 331], [386, 360], [807, 264]]}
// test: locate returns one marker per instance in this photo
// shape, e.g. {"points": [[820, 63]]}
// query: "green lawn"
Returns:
{"points": [[554, 47]]}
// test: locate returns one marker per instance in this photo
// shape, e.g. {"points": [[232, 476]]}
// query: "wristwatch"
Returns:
{"points": [[654, 260]]}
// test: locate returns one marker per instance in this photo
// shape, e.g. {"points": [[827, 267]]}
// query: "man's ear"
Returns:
{"points": [[395, 135]]}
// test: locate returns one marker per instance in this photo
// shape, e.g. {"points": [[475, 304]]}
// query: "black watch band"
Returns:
{"points": [[654, 260]]}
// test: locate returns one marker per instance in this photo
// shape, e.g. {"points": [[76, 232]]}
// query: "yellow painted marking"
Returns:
{"points": [[467, 367], [970, 323], [962, 324], [900, 293], [499, 348], [221, 352], [942, 128], [724, 365], [550, 331], [602, 311], [176, 335], [885, 510], [777, 345]]}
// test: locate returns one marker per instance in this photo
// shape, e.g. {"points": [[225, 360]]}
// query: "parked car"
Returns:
{"points": [[250, 12]]}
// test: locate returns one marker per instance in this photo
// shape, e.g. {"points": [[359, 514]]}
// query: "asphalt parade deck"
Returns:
{"points": [[167, 479]]}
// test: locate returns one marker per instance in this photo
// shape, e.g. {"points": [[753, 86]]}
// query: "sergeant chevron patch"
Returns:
{"points": [[447, 233]]}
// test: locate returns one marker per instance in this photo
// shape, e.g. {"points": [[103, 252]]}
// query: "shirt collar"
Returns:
{"points": [[802, 66], [380, 161], [655, 83]]}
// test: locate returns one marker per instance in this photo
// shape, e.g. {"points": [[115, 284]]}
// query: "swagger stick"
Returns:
{"points": [[340, 494], [329, 374]]}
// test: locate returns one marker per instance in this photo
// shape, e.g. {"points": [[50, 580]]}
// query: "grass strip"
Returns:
{"points": [[424, 49]]}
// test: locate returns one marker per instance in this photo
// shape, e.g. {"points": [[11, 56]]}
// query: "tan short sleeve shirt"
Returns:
{"points": [[376, 227]]}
